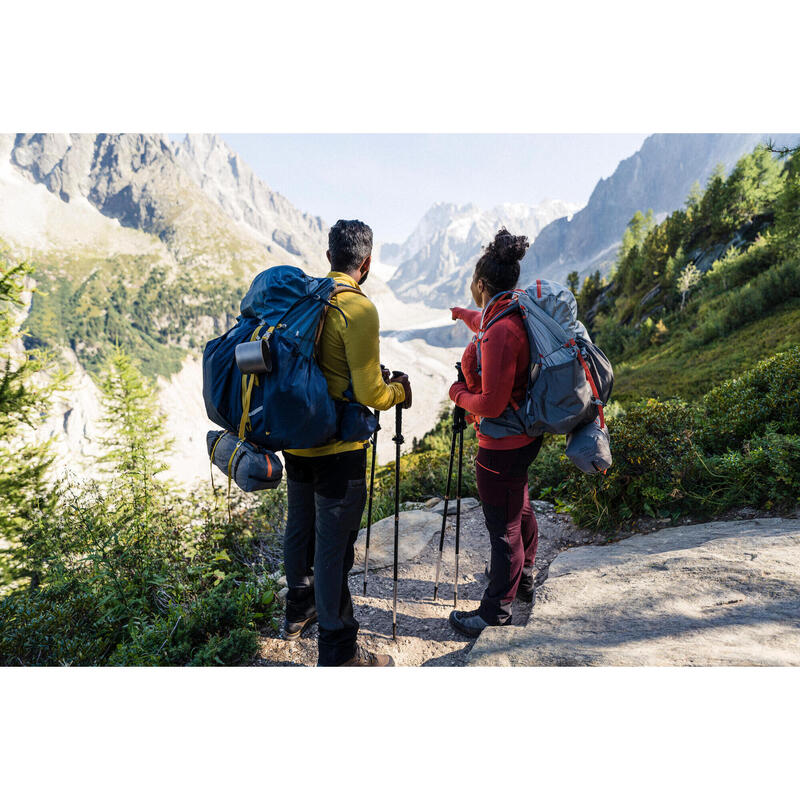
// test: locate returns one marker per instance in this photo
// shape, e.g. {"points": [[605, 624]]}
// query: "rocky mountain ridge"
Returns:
{"points": [[182, 195], [230, 183], [659, 176]]}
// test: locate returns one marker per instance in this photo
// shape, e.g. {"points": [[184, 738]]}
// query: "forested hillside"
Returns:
{"points": [[707, 292]]}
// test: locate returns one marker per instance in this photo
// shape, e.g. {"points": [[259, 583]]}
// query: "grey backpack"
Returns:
{"points": [[570, 377]]}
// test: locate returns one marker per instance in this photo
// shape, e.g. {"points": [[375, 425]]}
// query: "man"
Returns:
{"points": [[327, 485]]}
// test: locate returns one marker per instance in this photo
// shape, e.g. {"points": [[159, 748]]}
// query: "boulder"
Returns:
{"points": [[417, 528], [467, 504], [720, 593]]}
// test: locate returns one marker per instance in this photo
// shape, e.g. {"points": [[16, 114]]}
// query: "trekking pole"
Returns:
{"points": [[371, 493], [398, 440], [459, 421], [446, 502]]}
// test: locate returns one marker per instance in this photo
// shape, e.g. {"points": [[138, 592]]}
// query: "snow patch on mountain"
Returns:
{"points": [[435, 262]]}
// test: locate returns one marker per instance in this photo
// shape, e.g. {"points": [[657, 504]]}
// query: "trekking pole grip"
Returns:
{"points": [[459, 415], [398, 424]]}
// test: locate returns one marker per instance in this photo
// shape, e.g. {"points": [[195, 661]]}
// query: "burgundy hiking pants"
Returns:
{"points": [[513, 531]]}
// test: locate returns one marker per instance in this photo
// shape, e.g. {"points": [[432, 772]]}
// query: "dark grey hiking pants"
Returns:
{"points": [[327, 495]]}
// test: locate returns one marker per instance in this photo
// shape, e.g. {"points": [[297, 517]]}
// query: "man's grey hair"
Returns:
{"points": [[349, 243]]}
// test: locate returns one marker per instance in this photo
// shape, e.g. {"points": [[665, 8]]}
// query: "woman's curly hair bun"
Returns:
{"points": [[506, 248], [499, 264]]}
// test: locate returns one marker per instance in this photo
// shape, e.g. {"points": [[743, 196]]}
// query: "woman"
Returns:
{"points": [[499, 380]]}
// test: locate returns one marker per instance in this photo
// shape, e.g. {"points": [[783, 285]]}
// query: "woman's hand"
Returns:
{"points": [[456, 389], [456, 312]]}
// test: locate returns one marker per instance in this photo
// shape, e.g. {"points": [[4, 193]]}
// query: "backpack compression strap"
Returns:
{"points": [[247, 390], [592, 385], [222, 435]]}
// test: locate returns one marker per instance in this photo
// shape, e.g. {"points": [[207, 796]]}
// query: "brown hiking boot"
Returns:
{"points": [[364, 658], [293, 630]]}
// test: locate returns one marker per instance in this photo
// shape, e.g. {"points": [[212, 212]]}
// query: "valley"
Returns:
{"points": [[148, 244]]}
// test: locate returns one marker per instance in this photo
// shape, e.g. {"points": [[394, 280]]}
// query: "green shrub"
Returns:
{"points": [[57, 624], [216, 629], [764, 473], [550, 468], [741, 408], [739, 445], [422, 476], [132, 571], [174, 585], [654, 458], [736, 268]]}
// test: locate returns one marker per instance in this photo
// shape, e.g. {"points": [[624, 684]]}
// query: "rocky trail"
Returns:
{"points": [[723, 593], [424, 636], [716, 593]]}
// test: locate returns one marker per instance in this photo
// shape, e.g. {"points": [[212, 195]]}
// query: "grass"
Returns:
{"points": [[673, 370]]}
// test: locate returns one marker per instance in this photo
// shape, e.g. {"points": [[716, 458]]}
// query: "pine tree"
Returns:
{"points": [[572, 282], [752, 187], [25, 392], [695, 197], [135, 440], [787, 210]]}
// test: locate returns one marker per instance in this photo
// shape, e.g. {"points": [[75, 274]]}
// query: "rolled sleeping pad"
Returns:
{"points": [[252, 468], [589, 447]]}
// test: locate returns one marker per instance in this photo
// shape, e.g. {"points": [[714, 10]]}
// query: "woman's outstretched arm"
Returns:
{"points": [[470, 317]]}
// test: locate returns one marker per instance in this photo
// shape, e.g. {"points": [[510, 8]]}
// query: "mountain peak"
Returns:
{"points": [[230, 183], [189, 195], [435, 261]]}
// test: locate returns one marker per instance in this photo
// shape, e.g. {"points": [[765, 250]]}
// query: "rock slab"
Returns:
{"points": [[721, 593], [467, 504], [417, 528]]}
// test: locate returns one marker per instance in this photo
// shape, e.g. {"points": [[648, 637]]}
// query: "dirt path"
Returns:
{"points": [[424, 636]]}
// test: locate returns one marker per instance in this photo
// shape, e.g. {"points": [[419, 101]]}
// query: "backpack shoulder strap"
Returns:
{"points": [[512, 306], [339, 288]]}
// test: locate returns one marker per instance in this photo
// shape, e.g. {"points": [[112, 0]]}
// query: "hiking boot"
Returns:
{"points": [[525, 591], [293, 630], [470, 623], [365, 658]]}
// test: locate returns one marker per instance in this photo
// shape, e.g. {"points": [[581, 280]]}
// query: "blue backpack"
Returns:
{"points": [[289, 406]]}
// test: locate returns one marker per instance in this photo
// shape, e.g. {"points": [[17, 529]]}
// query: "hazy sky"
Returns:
{"points": [[390, 180]]}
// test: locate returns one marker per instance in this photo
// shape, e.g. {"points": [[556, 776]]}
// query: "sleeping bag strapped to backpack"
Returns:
{"points": [[288, 406], [570, 378]]}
